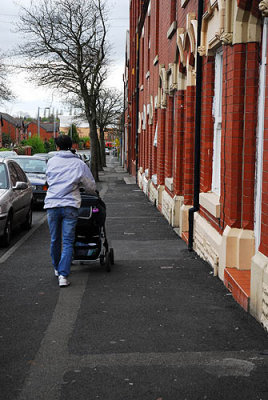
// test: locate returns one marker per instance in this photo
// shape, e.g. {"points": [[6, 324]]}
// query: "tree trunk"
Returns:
{"points": [[94, 149], [102, 148], [100, 166]]}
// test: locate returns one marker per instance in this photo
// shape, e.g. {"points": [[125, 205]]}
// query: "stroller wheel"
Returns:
{"points": [[101, 259], [111, 255], [107, 262]]}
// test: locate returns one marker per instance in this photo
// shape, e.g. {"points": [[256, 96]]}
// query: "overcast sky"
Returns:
{"points": [[28, 97]]}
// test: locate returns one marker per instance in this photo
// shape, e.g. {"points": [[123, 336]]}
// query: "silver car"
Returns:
{"points": [[16, 198], [35, 169]]}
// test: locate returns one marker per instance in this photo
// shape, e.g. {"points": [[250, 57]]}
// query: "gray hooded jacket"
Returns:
{"points": [[66, 173]]}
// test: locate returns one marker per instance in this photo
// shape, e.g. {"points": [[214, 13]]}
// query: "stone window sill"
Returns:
{"points": [[169, 184], [211, 202]]}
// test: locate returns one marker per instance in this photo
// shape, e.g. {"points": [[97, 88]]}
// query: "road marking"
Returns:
{"points": [[52, 359], [21, 241], [219, 363]]}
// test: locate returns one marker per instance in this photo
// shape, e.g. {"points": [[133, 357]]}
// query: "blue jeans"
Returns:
{"points": [[62, 222]]}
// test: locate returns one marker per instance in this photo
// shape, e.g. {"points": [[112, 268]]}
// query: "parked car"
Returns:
{"points": [[46, 156], [35, 169], [107, 151], [8, 153], [86, 157], [15, 199], [51, 153]]}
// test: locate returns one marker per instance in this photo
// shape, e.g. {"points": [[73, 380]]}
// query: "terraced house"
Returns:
{"points": [[196, 130]]}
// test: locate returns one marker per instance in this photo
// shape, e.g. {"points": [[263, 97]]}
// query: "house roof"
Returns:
{"points": [[47, 126], [9, 119]]}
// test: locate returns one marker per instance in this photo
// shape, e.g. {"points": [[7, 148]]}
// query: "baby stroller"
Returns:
{"points": [[90, 238]]}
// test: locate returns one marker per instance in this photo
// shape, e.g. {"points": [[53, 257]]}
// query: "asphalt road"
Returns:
{"points": [[160, 326], [19, 234]]}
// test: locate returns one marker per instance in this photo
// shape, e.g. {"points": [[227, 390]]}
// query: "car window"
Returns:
{"points": [[20, 174], [3, 177], [12, 173], [31, 165]]}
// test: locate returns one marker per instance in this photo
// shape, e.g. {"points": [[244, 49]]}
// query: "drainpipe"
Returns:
{"points": [[137, 103], [197, 129]]}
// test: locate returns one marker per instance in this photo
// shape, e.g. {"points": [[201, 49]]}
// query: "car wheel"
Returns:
{"points": [[29, 220], [7, 232]]}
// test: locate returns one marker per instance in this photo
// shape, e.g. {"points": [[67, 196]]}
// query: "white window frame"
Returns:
{"points": [[155, 135], [260, 135], [217, 114]]}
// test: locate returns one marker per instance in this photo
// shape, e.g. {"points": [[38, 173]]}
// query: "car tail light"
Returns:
{"points": [[45, 188]]}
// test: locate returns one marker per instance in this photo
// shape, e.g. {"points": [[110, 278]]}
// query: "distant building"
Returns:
{"points": [[82, 126], [48, 130], [14, 127]]}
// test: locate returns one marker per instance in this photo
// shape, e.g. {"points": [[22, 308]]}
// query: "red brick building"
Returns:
{"points": [[13, 127], [47, 130], [196, 130]]}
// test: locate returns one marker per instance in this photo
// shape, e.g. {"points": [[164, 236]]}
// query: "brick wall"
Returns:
{"points": [[264, 221], [178, 178], [207, 122], [161, 147], [169, 132], [10, 129], [188, 156], [240, 90], [174, 154]]}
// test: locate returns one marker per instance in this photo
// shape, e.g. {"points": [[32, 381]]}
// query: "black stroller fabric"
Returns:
{"points": [[91, 220], [91, 217]]}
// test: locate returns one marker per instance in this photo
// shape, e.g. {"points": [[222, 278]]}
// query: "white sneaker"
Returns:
{"points": [[56, 272], [63, 281]]}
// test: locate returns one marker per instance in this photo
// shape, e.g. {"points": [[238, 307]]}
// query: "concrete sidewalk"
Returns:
{"points": [[160, 326]]}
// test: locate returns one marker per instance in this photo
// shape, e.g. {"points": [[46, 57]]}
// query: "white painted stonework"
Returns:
{"points": [[259, 288], [144, 184], [167, 203], [152, 193], [184, 218], [160, 190], [211, 202], [171, 208], [140, 178], [207, 242], [237, 249]]}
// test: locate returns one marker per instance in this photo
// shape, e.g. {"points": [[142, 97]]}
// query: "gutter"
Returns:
{"points": [[197, 129]]}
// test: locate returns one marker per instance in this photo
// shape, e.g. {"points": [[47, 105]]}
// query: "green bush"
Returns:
{"points": [[74, 134], [52, 146], [6, 140], [36, 143], [20, 151]]}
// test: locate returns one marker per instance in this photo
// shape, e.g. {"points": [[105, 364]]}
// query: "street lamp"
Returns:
{"points": [[38, 118]]}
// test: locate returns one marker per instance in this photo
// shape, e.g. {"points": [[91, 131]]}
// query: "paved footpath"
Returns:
{"points": [[158, 327]]}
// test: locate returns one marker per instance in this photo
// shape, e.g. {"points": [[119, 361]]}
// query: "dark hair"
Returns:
{"points": [[64, 142]]}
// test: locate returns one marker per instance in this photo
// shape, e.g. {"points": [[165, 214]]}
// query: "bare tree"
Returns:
{"points": [[66, 49], [5, 92], [109, 108]]}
